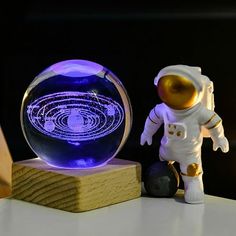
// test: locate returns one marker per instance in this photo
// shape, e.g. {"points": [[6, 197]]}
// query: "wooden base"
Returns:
{"points": [[5, 167], [76, 190], [5, 190]]}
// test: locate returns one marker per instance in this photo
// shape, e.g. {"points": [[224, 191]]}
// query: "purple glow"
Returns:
{"points": [[83, 167], [76, 68], [75, 116]]}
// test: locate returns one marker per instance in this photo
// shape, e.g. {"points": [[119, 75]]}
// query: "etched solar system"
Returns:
{"points": [[76, 114]]}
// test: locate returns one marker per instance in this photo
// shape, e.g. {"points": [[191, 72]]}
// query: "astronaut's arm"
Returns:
{"points": [[216, 131], [152, 124]]}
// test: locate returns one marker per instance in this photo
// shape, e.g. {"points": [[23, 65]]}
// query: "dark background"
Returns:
{"points": [[134, 40]]}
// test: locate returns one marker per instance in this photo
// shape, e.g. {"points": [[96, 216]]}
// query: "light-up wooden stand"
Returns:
{"points": [[5, 167], [76, 190]]}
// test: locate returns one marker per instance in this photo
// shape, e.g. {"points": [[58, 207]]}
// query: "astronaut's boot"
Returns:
{"points": [[193, 187]]}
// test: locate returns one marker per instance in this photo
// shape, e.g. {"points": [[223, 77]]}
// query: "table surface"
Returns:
{"points": [[142, 216]]}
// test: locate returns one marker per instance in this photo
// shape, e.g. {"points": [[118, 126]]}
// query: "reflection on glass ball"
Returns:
{"points": [[76, 114]]}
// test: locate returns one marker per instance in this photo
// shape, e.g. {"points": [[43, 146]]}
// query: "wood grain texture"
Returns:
{"points": [[76, 190], [5, 167]]}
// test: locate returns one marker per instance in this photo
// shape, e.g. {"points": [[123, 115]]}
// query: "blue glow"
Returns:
{"points": [[74, 115]]}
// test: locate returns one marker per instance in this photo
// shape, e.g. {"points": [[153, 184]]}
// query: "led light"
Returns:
{"points": [[76, 114]]}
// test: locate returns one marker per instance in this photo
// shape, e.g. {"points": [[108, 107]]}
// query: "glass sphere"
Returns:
{"points": [[76, 114]]}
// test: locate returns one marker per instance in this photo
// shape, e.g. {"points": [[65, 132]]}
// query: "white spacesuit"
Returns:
{"points": [[187, 113]]}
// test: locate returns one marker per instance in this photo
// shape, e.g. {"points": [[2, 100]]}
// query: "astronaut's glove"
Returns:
{"points": [[221, 143], [146, 138]]}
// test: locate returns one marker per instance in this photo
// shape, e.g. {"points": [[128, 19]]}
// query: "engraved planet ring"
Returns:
{"points": [[75, 116]]}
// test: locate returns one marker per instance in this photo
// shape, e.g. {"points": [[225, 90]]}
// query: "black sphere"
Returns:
{"points": [[161, 180]]}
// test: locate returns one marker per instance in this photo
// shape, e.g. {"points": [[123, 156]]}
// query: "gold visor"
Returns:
{"points": [[177, 92]]}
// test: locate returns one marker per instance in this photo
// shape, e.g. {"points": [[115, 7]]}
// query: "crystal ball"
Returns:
{"points": [[76, 114]]}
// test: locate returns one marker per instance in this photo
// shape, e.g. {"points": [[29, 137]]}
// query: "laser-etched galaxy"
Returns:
{"points": [[75, 116]]}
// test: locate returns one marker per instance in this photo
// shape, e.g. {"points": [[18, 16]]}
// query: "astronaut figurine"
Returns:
{"points": [[187, 113]]}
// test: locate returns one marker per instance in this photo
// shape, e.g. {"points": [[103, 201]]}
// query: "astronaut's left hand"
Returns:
{"points": [[221, 143]]}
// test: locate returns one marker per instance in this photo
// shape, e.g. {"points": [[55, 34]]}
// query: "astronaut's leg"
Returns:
{"points": [[193, 185], [162, 159]]}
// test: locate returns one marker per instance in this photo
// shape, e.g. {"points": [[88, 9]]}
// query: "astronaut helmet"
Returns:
{"points": [[181, 87]]}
